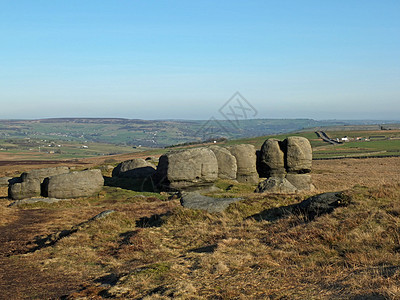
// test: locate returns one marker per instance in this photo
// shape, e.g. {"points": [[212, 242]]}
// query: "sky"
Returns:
{"points": [[185, 59]]}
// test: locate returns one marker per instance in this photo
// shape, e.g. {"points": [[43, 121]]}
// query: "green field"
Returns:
{"points": [[79, 138], [24, 149]]}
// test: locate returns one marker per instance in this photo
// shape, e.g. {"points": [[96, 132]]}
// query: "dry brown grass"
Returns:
{"points": [[188, 254]]}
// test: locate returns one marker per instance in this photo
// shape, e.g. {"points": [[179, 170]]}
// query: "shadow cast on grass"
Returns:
{"points": [[153, 221], [134, 184]]}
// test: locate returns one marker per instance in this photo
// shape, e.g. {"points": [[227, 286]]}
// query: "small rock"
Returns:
{"points": [[210, 204], [302, 182], [276, 185]]}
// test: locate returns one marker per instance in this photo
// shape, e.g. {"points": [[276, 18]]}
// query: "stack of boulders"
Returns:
{"points": [[56, 182], [286, 165]]}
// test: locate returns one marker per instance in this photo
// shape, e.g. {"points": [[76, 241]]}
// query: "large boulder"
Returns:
{"points": [[189, 169], [210, 204], [4, 181], [298, 155], [41, 174], [25, 189], [29, 184], [227, 167], [134, 168], [74, 184], [276, 185], [246, 160], [271, 160]]}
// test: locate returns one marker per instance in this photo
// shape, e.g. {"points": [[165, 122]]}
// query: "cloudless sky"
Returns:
{"points": [[184, 59]]}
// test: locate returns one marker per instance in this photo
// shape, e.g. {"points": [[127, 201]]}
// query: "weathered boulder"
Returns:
{"points": [[246, 160], [271, 160], [276, 185], [302, 182], [227, 167], [298, 155], [25, 189], [322, 204], [29, 184], [210, 204], [4, 181], [134, 168], [189, 169], [41, 174], [74, 184]]}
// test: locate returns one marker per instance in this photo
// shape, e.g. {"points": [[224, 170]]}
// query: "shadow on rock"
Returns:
{"points": [[310, 208]]}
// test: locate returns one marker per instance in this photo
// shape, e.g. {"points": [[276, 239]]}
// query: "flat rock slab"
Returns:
{"points": [[34, 200], [210, 204]]}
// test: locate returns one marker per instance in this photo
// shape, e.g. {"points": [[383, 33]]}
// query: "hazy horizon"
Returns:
{"points": [[184, 60]]}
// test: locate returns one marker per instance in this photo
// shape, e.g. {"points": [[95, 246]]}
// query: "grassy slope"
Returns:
{"points": [[196, 255], [189, 254]]}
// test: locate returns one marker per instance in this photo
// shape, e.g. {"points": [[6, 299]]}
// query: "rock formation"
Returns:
{"points": [[74, 184], [29, 184], [246, 160], [283, 163], [189, 169], [227, 166], [272, 159]]}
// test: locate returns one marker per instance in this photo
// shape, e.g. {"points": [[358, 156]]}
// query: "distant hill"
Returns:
{"points": [[159, 133]]}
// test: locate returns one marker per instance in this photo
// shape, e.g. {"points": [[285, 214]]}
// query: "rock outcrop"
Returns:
{"points": [[134, 168], [227, 166], [189, 169], [29, 184], [283, 162], [74, 185], [246, 160]]}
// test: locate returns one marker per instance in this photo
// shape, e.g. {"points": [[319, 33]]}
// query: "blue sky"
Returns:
{"points": [[184, 59]]}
